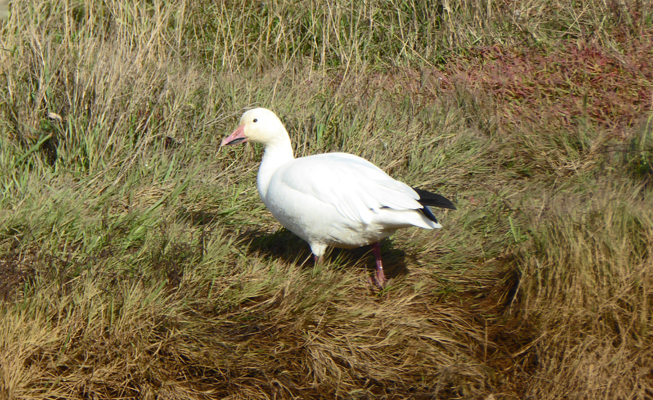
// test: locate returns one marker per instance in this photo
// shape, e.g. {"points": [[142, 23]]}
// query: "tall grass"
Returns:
{"points": [[136, 260]]}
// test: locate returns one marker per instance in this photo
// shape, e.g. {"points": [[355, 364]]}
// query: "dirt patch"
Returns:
{"points": [[15, 269]]}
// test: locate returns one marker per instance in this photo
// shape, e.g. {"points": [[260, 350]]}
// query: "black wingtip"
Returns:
{"points": [[427, 212], [433, 200]]}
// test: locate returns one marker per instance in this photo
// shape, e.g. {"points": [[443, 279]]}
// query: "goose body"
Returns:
{"points": [[332, 199]]}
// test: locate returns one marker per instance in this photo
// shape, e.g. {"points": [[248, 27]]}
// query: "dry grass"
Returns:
{"points": [[136, 260], [588, 270]]}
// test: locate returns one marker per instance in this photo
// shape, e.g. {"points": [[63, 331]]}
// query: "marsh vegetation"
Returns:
{"points": [[137, 261]]}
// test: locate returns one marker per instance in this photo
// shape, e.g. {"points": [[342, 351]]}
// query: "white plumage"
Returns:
{"points": [[333, 199]]}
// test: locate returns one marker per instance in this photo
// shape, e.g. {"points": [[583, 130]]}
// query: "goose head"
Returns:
{"points": [[258, 126]]}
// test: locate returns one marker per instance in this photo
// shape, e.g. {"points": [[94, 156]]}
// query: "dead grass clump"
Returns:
{"points": [[586, 286], [309, 339], [300, 336]]}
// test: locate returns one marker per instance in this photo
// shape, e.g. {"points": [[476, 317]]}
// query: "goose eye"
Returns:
{"points": [[255, 120]]}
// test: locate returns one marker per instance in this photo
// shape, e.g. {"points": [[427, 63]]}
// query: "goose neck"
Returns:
{"points": [[276, 155]]}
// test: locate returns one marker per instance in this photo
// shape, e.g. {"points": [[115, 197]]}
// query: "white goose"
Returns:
{"points": [[333, 199]]}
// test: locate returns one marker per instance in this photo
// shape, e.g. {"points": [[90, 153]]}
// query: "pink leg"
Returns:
{"points": [[318, 260], [380, 276]]}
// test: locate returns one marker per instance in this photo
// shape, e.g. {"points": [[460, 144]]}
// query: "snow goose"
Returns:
{"points": [[332, 199]]}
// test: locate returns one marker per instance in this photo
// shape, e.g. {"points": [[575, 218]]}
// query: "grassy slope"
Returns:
{"points": [[136, 260]]}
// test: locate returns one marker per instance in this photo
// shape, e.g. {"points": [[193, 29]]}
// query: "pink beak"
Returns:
{"points": [[238, 136]]}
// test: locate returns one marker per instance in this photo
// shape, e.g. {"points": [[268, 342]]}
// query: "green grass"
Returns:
{"points": [[137, 261]]}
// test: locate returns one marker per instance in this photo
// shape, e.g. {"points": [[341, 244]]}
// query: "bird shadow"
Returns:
{"points": [[288, 247], [285, 245]]}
